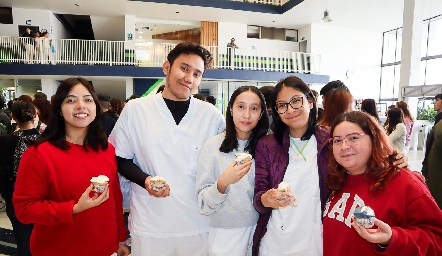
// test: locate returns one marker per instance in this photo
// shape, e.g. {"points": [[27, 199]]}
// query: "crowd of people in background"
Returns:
{"points": [[38, 48], [211, 203]]}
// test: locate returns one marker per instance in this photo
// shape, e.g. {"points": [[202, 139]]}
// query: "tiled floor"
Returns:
{"points": [[415, 158]]}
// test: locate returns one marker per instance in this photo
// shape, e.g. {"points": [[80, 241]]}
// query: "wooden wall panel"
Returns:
{"points": [[209, 33]]}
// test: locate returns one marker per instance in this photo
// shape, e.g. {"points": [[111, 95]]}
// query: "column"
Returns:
{"points": [[129, 37], [49, 87], [411, 43], [129, 87]]}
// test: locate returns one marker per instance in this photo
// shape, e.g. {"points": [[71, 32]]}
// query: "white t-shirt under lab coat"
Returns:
{"points": [[297, 230], [147, 133]]}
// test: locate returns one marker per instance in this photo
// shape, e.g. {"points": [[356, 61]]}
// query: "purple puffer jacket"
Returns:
{"points": [[271, 161]]}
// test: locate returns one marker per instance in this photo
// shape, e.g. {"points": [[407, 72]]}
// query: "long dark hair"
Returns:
{"points": [[230, 142], [55, 132], [395, 116], [379, 167], [280, 127], [369, 107]]}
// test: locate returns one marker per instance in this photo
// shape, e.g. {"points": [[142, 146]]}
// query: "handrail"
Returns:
{"points": [[146, 54]]}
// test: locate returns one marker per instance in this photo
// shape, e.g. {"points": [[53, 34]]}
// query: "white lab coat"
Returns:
{"points": [[147, 133]]}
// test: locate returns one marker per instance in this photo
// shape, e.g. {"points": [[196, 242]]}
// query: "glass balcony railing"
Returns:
{"points": [[146, 54]]}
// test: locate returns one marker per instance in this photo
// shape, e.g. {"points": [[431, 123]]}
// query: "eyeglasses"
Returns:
{"points": [[350, 139], [296, 102]]}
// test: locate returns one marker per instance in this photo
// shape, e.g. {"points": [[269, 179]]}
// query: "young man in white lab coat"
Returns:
{"points": [[161, 135]]}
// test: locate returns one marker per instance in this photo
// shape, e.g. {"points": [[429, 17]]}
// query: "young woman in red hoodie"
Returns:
{"points": [[407, 219]]}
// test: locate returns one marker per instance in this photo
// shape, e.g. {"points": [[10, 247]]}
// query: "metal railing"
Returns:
{"points": [[146, 54], [272, 2]]}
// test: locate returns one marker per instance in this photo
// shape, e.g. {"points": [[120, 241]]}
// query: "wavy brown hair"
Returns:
{"points": [[336, 102], [404, 106], [380, 166]]}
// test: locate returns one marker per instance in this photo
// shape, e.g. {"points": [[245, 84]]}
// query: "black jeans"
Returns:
{"points": [[22, 232]]}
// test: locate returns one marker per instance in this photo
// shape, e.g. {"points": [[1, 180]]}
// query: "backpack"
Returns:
{"points": [[24, 141], [3, 129]]}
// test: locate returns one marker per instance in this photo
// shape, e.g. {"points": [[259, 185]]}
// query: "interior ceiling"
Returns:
{"points": [[373, 15]]}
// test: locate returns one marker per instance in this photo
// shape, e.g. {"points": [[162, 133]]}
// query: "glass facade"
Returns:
{"points": [[431, 59]]}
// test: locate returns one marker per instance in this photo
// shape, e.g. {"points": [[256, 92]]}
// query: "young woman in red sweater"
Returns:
{"points": [[53, 188], [408, 220]]}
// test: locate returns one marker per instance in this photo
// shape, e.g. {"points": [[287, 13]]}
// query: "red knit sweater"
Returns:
{"points": [[49, 182], [406, 205]]}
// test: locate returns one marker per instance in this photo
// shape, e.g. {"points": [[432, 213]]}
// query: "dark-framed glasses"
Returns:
{"points": [[296, 102], [350, 139]]}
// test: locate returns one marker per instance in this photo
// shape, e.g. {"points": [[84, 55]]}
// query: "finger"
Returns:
{"points": [[383, 226], [88, 190], [233, 164], [147, 184]]}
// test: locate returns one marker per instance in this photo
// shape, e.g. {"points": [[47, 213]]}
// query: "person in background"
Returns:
{"points": [[116, 105], [224, 186], [385, 124], [47, 49], [199, 96], [431, 166], [333, 85], [28, 43], [336, 102], [409, 122], [211, 100], [320, 110], [161, 89], [132, 97], [4, 118], [361, 173], [13, 146], [25, 97], [53, 188], [162, 135], [267, 92], [44, 112], [40, 95], [109, 116], [396, 131], [37, 50], [369, 107], [231, 47]]}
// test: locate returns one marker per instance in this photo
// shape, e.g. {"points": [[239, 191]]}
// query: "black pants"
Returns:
{"points": [[22, 232]]}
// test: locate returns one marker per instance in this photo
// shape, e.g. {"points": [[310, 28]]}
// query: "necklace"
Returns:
{"points": [[299, 152]]}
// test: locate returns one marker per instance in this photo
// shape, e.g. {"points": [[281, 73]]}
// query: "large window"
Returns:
{"points": [[431, 58]]}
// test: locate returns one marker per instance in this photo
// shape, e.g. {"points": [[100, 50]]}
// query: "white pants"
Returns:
{"points": [[231, 242], [172, 246], [29, 53]]}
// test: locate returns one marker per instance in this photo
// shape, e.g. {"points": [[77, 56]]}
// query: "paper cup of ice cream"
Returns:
{"points": [[243, 158], [285, 187], [364, 216], [157, 183], [99, 183]]}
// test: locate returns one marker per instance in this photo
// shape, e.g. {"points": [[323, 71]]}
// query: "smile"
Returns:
{"points": [[185, 85], [81, 115]]}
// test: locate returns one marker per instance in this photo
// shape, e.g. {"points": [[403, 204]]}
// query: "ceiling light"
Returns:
{"points": [[77, 5], [326, 17], [177, 12], [141, 32], [140, 37]]}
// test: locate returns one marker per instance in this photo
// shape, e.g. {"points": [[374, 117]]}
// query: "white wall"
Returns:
{"points": [[239, 31], [344, 49], [44, 19], [108, 28], [38, 18], [57, 29]]}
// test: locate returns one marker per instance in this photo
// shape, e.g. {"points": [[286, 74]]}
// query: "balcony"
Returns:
{"points": [[147, 54]]}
